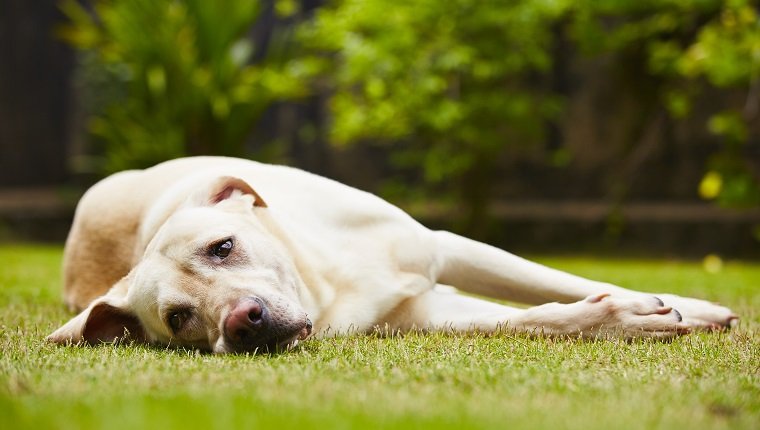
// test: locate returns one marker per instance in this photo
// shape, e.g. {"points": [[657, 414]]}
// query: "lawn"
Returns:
{"points": [[366, 381]]}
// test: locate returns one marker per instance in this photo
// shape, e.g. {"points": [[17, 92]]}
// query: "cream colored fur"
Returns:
{"points": [[317, 250]]}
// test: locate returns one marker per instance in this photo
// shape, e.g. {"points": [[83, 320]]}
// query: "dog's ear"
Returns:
{"points": [[223, 188], [106, 319]]}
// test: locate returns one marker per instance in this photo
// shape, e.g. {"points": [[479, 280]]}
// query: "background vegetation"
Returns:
{"points": [[169, 79], [449, 87]]}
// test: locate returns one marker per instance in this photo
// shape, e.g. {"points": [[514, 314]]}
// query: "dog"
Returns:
{"points": [[230, 255]]}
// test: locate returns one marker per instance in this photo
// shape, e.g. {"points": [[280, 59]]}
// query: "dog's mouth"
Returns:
{"points": [[290, 344], [277, 343]]}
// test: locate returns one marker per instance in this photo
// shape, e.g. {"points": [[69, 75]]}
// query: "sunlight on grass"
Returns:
{"points": [[366, 381]]}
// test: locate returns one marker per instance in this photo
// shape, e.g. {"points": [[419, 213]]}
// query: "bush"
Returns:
{"points": [[178, 77], [448, 85], [459, 82]]}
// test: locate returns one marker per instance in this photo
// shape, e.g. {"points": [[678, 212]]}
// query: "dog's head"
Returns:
{"points": [[211, 277]]}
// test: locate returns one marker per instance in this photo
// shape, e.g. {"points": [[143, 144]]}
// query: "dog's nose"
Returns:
{"points": [[247, 319]]}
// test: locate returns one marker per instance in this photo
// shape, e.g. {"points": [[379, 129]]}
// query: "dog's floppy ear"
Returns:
{"points": [[223, 188], [106, 319]]}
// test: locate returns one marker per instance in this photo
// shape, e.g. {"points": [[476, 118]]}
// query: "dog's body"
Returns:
{"points": [[232, 255]]}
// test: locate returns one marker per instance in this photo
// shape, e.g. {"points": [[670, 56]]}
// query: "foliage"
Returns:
{"points": [[693, 46], [451, 87], [370, 382], [727, 53], [455, 81], [179, 75], [459, 82]]}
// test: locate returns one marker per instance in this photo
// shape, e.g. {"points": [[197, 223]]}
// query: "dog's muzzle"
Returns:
{"points": [[252, 326]]}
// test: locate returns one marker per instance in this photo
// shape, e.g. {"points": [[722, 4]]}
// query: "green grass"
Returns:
{"points": [[415, 381]]}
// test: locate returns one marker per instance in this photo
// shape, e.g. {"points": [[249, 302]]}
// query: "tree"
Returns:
{"points": [[456, 82], [460, 82]]}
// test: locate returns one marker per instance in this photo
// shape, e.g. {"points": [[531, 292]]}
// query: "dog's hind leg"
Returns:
{"points": [[483, 269]]}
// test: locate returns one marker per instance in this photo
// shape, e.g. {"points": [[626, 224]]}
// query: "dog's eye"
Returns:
{"points": [[177, 320], [222, 249]]}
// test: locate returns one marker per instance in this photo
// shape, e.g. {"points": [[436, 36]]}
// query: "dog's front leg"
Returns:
{"points": [[483, 269], [595, 316]]}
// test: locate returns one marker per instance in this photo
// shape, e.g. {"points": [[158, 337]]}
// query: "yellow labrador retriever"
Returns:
{"points": [[232, 255]]}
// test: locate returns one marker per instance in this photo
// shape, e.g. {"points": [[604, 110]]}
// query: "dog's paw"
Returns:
{"points": [[633, 317], [701, 314]]}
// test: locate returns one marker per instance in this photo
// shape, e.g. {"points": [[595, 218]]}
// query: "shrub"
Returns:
{"points": [[178, 77]]}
